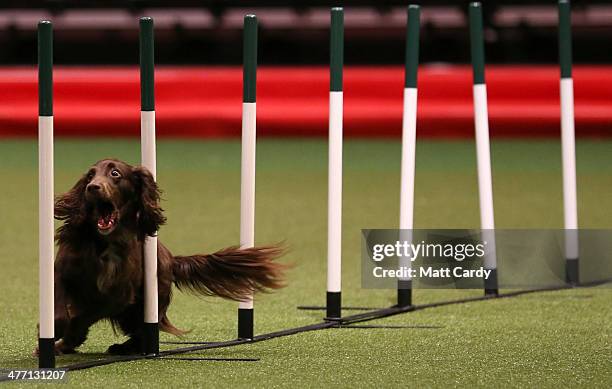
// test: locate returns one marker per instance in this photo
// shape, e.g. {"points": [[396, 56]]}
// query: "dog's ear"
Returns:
{"points": [[150, 214], [70, 206]]}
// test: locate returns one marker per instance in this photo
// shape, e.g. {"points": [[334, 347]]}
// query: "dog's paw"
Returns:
{"points": [[129, 347], [60, 349]]}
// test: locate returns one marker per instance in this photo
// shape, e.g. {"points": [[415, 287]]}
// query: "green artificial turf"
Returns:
{"points": [[553, 339]]}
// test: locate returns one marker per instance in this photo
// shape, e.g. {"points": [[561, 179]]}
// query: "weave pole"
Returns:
{"points": [[148, 159], [483, 150], [46, 290], [247, 181], [404, 285], [334, 200], [568, 145]]}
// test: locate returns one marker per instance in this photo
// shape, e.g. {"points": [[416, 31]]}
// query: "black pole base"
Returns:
{"points": [[490, 284], [572, 274], [245, 323], [334, 306], [150, 340], [404, 293], [46, 353]]}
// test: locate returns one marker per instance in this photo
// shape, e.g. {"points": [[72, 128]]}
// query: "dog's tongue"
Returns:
{"points": [[106, 222]]}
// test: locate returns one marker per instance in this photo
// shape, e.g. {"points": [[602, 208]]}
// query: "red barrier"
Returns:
{"points": [[293, 101]]}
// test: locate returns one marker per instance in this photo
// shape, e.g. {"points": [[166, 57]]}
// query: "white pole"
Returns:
{"points": [[148, 158], [568, 146], [408, 158], [334, 210], [485, 184], [247, 183], [45, 226], [408, 171], [485, 187]]}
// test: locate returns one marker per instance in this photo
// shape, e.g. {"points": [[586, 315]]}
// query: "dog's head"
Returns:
{"points": [[111, 195]]}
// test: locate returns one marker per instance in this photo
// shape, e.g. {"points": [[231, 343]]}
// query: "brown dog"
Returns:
{"points": [[99, 265]]}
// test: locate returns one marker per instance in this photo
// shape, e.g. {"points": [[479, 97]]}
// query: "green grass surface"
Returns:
{"points": [[555, 339]]}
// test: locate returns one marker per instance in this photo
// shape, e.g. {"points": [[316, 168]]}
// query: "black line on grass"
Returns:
{"points": [[185, 342], [103, 362], [365, 326], [320, 308], [344, 321], [562, 297], [210, 359]]}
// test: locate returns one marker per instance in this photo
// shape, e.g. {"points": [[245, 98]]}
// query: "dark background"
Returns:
{"points": [[296, 32]]}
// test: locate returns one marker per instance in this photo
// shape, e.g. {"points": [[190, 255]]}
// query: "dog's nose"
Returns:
{"points": [[92, 188]]}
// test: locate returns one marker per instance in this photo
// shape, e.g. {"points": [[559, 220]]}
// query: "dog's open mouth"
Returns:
{"points": [[107, 217]]}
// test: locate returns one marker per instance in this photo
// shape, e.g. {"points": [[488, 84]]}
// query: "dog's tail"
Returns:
{"points": [[233, 273]]}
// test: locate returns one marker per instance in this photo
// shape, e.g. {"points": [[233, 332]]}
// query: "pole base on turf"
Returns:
{"points": [[150, 344], [334, 306], [491, 284], [571, 272], [245, 323], [404, 293], [46, 353]]}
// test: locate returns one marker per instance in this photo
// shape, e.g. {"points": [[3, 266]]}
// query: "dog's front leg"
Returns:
{"points": [[75, 334], [62, 309]]}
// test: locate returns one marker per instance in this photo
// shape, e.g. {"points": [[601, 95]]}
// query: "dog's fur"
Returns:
{"points": [[99, 266]]}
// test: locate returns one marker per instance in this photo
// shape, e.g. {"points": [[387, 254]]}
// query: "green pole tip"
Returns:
{"points": [[412, 46], [249, 58], [565, 38], [147, 65], [45, 68], [250, 20], [146, 22], [336, 59], [477, 43]]}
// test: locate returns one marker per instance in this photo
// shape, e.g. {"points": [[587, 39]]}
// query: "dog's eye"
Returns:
{"points": [[115, 173]]}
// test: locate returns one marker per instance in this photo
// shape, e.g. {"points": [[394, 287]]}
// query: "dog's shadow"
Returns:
{"points": [[68, 359]]}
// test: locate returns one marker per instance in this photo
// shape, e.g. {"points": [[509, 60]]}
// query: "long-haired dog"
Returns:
{"points": [[99, 265]]}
